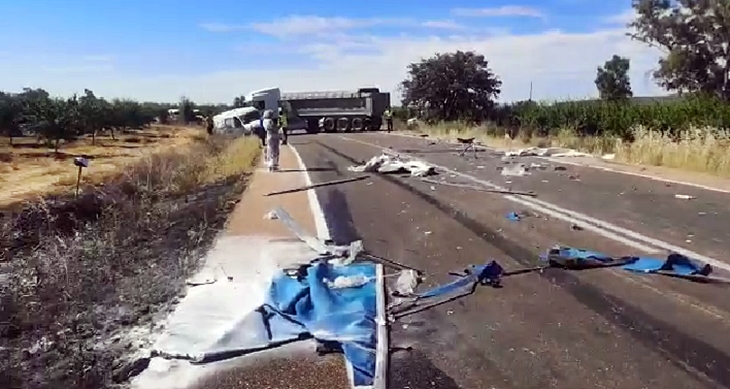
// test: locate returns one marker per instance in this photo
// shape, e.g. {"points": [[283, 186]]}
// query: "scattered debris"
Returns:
{"points": [[545, 152], [515, 171], [206, 282], [271, 215], [576, 227], [684, 197], [468, 145], [388, 164], [514, 216], [478, 188], [406, 282], [308, 187], [560, 168], [609, 156], [351, 281]]}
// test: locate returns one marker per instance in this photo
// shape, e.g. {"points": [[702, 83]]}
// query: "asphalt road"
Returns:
{"points": [[603, 328]]}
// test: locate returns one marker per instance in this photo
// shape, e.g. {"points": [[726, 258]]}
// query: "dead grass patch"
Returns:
{"points": [[38, 171], [697, 150], [76, 272]]}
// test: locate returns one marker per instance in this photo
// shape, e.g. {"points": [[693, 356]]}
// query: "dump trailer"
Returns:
{"points": [[360, 110]]}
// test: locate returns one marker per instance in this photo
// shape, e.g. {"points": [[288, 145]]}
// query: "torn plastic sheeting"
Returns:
{"points": [[299, 309], [674, 264], [389, 164]]}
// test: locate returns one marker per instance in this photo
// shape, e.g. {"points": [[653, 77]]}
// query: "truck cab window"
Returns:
{"points": [[259, 105]]}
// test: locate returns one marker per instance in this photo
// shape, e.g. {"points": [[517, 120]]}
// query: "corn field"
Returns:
{"points": [[672, 118]]}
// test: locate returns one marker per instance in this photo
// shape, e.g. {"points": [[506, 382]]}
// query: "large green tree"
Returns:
{"points": [[452, 86], [612, 79], [694, 36]]}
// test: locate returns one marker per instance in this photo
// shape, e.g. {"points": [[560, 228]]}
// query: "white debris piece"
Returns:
{"points": [[684, 197], [390, 164], [271, 216], [545, 152], [406, 282], [348, 281], [609, 157], [515, 171]]}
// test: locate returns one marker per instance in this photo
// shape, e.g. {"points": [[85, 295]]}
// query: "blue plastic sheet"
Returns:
{"points": [[309, 307], [674, 264]]}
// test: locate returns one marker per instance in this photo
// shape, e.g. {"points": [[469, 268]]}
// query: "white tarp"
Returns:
{"points": [[389, 164], [545, 152]]}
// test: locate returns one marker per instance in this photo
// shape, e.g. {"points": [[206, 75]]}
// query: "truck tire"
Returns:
{"points": [[343, 124], [329, 124], [368, 124], [357, 124]]}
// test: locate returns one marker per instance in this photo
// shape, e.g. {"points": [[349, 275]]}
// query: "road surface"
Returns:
{"points": [[604, 328]]}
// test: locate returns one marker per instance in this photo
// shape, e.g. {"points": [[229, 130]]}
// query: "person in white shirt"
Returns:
{"points": [[269, 125]]}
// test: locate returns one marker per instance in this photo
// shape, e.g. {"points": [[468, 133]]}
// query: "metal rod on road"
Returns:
{"points": [[321, 184]]}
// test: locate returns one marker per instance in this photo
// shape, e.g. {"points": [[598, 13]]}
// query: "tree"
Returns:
{"points": [[612, 80], [451, 86], [186, 110], [695, 39], [239, 101], [11, 115]]}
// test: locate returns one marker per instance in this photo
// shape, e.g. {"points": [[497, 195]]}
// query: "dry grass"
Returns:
{"points": [[77, 272], [30, 169], [697, 151]]}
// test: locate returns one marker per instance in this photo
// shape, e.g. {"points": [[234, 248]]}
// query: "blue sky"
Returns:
{"points": [[214, 50]]}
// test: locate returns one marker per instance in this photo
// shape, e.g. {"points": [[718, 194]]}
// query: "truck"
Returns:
{"points": [[333, 111]]}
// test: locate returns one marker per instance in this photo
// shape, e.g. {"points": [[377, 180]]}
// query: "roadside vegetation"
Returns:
{"points": [[78, 273], [453, 95]]}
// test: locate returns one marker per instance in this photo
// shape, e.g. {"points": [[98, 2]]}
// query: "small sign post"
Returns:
{"points": [[81, 162]]}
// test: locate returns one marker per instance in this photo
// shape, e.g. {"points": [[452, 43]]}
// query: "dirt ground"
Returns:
{"points": [[30, 169]]}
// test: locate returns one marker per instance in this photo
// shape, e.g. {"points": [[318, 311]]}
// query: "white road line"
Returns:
{"points": [[601, 227], [598, 167], [320, 223], [323, 233]]}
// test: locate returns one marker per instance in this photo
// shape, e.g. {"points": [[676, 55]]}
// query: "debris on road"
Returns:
{"points": [[479, 188], [318, 185], [515, 171], [514, 216], [545, 152], [576, 227], [684, 197], [406, 282], [674, 265], [469, 144], [388, 164], [271, 215]]}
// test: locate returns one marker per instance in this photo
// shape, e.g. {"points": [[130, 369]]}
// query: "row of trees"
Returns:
{"points": [[694, 37], [34, 112]]}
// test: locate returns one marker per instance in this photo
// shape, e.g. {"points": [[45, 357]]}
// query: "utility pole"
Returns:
{"points": [[530, 91]]}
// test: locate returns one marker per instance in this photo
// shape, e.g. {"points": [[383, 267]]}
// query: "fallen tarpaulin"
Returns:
{"points": [[388, 164], [674, 265]]}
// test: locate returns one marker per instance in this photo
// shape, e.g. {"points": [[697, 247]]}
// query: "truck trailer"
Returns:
{"points": [[360, 110]]}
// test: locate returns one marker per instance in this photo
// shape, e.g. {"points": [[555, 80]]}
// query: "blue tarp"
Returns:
{"points": [[674, 264], [309, 307]]}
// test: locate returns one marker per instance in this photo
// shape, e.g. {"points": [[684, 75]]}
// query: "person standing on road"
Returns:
{"points": [[209, 124], [388, 115], [284, 122], [273, 140]]}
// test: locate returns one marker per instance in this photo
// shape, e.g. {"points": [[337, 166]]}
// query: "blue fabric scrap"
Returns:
{"points": [[513, 216], [488, 274], [569, 257], [674, 263]]}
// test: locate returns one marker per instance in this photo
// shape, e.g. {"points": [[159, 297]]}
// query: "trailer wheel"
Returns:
{"points": [[329, 124], [368, 124], [343, 124], [357, 124]]}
